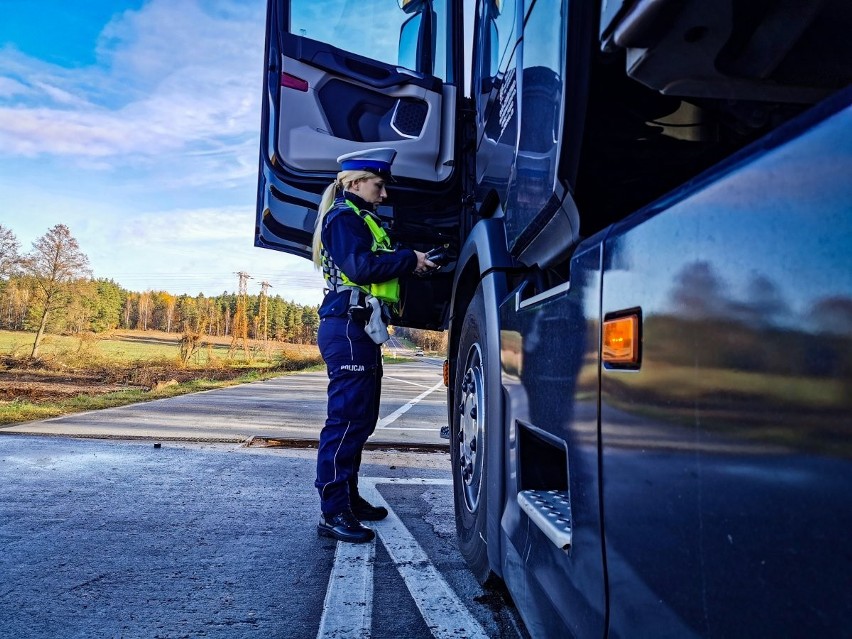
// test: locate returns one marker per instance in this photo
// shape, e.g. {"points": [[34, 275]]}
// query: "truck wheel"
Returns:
{"points": [[467, 439]]}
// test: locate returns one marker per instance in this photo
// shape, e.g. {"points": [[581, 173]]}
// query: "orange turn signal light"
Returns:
{"points": [[621, 340], [447, 373]]}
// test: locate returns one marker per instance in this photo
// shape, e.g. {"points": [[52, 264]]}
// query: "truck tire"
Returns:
{"points": [[467, 439]]}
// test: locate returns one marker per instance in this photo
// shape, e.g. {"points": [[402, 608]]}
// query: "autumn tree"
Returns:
{"points": [[9, 262], [187, 309], [54, 264], [165, 305], [108, 306], [143, 313], [310, 324], [14, 301], [127, 313], [435, 341], [9, 247], [79, 309]]}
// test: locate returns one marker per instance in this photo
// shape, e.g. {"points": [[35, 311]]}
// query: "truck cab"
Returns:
{"points": [[346, 76], [647, 203]]}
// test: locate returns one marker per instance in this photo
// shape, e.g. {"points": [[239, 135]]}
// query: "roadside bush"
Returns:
{"points": [[294, 357]]}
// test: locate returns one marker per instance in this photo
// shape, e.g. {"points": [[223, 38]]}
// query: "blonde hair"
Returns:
{"points": [[344, 180]]}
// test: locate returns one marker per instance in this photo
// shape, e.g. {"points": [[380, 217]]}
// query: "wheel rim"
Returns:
{"points": [[471, 434]]}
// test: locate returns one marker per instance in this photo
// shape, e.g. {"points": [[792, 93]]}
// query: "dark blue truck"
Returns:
{"points": [[648, 204]]}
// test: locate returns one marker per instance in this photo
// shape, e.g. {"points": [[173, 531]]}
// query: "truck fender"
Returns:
{"points": [[484, 259]]}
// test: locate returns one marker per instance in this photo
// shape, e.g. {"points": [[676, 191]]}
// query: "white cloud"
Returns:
{"points": [[191, 226], [61, 96], [174, 77], [10, 87], [150, 156]]}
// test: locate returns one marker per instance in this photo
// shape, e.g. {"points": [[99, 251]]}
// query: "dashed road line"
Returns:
{"points": [[442, 610], [389, 419], [404, 381]]}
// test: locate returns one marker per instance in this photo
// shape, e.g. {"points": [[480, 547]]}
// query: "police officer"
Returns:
{"points": [[362, 271]]}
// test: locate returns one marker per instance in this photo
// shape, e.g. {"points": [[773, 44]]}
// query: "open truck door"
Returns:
{"points": [[345, 75]]}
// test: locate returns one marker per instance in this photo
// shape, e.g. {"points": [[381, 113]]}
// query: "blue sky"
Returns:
{"points": [[135, 123]]}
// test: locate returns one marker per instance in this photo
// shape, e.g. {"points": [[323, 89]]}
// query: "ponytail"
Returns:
{"points": [[324, 207], [344, 180]]}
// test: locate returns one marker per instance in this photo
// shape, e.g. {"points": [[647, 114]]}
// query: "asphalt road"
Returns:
{"points": [[122, 539], [127, 538], [291, 407]]}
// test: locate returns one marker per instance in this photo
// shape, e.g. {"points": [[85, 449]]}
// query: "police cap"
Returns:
{"points": [[376, 161]]}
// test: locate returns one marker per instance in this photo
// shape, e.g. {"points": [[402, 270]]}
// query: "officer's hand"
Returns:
{"points": [[440, 255], [424, 264]]}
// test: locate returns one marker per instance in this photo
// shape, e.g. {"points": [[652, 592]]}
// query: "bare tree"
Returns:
{"points": [[54, 264], [9, 247], [144, 311]]}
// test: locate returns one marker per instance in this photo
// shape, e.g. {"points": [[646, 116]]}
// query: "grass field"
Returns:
{"points": [[90, 372], [24, 410], [133, 346], [73, 374]]}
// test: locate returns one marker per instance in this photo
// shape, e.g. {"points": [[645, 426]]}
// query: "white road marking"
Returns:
{"points": [[405, 381], [348, 608], [383, 423], [441, 609]]}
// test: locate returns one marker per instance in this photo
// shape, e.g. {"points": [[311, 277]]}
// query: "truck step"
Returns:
{"points": [[550, 510]]}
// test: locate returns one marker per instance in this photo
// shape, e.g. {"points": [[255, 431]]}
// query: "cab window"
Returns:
{"points": [[381, 31], [502, 32]]}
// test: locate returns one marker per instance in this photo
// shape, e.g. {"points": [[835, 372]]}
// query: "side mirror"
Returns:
{"points": [[411, 6], [409, 39], [417, 40]]}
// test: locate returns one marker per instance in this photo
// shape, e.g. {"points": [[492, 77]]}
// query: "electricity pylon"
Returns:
{"points": [[239, 330], [264, 308]]}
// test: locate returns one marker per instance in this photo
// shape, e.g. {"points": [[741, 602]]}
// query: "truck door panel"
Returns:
{"points": [[725, 479], [336, 82], [324, 97], [336, 115], [549, 353]]}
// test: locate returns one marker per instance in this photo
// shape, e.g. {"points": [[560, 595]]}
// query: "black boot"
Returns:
{"points": [[365, 511], [344, 526]]}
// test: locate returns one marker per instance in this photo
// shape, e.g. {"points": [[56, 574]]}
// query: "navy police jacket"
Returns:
{"points": [[348, 240]]}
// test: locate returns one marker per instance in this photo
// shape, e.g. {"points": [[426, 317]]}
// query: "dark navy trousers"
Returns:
{"points": [[354, 366]]}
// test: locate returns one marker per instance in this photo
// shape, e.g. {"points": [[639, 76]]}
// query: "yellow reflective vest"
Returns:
{"points": [[387, 292]]}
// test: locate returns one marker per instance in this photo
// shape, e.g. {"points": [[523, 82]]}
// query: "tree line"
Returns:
{"points": [[50, 289], [433, 341]]}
